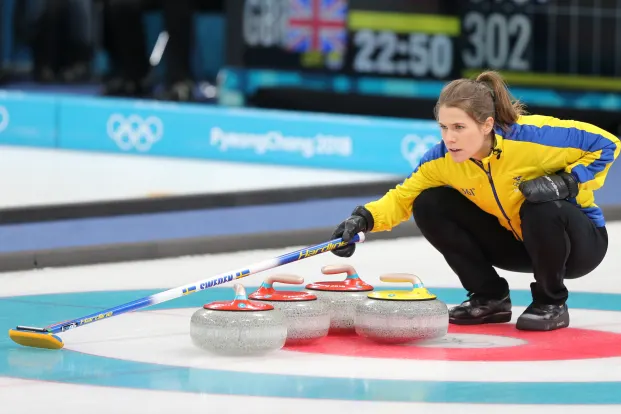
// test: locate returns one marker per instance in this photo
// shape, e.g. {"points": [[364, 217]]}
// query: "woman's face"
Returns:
{"points": [[463, 136]]}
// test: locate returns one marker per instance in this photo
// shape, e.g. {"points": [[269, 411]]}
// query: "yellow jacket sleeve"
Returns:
{"points": [[395, 206], [599, 150]]}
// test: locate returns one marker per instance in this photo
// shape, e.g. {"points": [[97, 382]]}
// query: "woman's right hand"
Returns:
{"points": [[360, 220]]}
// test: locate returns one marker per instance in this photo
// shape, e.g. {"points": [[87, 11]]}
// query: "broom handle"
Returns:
{"points": [[202, 284]]}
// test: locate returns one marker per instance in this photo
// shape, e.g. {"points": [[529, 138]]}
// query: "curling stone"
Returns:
{"points": [[399, 316], [238, 327], [308, 319], [341, 296]]}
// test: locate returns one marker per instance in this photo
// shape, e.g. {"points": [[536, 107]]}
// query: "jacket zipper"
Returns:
{"points": [[502, 210]]}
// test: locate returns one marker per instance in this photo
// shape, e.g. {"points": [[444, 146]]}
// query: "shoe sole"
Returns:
{"points": [[524, 324], [500, 317]]}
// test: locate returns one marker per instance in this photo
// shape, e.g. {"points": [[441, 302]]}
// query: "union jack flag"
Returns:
{"points": [[316, 25]]}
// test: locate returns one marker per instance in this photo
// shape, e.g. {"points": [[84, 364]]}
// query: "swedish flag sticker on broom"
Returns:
{"points": [[189, 290]]}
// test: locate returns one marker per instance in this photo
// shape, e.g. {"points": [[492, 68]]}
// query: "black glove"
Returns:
{"points": [[361, 220], [550, 187]]}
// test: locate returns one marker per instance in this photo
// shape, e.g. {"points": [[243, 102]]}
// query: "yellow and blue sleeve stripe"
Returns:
{"points": [[436, 152], [396, 205], [598, 148]]}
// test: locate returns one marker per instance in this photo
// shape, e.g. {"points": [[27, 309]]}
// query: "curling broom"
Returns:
{"points": [[46, 338]]}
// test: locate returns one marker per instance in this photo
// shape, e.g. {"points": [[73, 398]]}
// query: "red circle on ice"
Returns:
{"points": [[562, 344]]}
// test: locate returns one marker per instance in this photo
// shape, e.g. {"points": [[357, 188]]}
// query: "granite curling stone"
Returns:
{"points": [[238, 327], [400, 316], [308, 319], [341, 296]]}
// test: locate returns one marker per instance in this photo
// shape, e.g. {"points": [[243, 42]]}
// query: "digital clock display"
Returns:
{"points": [[416, 54], [388, 52]]}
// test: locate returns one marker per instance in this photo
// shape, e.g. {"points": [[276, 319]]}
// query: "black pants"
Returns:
{"points": [[559, 242]]}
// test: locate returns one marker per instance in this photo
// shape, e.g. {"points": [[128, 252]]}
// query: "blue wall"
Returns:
{"points": [[153, 128]]}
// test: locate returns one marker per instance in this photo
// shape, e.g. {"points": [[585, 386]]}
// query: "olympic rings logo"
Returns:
{"points": [[4, 118], [134, 132], [414, 147]]}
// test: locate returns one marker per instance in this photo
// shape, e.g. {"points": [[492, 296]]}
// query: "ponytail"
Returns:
{"points": [[507, 109], [487, 96]]}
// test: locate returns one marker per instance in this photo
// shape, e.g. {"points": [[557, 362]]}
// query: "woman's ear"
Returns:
{"points": [[488, 125]]}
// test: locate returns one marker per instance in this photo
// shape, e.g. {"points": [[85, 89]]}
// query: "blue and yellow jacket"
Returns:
{"points": [[534, 146]]}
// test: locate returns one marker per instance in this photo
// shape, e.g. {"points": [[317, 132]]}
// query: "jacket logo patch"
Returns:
{"points": [[468, 191]]}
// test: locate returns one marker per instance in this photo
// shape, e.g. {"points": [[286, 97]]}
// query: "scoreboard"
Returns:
{"points": [[562, 43], [551, 43]]}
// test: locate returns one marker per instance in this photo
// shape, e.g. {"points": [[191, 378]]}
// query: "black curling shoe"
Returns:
{"points": [[543, 318], [478, 310]]}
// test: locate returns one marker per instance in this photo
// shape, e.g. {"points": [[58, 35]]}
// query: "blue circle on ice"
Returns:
{"points": [[72, 367]]}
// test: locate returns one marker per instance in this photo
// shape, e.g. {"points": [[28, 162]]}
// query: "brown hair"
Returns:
{"points": [[485, 96]]}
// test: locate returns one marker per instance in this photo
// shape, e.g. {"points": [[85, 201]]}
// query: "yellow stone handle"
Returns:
{"points": [[339, 268], [284, 278], [402, 278]]}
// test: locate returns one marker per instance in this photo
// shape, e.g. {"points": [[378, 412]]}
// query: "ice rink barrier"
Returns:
{"points": [[28, 119], [151, 128]]}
